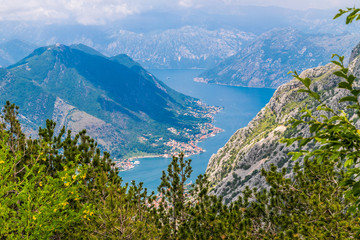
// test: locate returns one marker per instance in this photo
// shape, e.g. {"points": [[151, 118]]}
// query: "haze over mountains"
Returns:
{"points": [[14, 50], [176, 38]]}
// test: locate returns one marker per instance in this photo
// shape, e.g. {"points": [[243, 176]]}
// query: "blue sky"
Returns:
{"points": [[90, 12]]}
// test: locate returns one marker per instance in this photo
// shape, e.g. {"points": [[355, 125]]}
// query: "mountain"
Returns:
{"points": [[124, 107], [198, 37], [87, 50], [13, 51], [186, 47], [256, 146], [268, 59]]}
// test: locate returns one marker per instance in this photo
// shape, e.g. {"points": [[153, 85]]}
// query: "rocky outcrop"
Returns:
{"points": [[257, 145]]}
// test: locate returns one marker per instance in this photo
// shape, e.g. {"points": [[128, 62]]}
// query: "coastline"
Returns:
{"points": [[129, 163], [207, 130]]}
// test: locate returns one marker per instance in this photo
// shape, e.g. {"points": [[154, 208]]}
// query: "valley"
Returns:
{"points": [[239, 104]]}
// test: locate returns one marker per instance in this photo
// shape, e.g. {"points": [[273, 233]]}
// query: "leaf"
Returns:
{"points": [[335, 156], [356, 188], [344, 85], [305, 141], [349, 162], [304, 90], [353, 107], [339, 14], [351, 16], [315, 95], [348, 99], [337, 63], [324, 108], [355, 92], [351, 79], [340, 74], [288, 141], [306, 82], [295, 155], [295, 124], [314, 127]]}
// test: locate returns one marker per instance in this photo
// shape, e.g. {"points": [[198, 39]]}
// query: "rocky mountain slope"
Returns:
{"points": [[268, 59], [186, 47], [124, 107], [256, 146]]}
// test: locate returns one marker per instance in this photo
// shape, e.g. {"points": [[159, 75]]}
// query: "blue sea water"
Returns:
{"points": [[240, 104]]}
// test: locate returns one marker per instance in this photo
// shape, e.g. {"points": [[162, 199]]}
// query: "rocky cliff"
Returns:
{"points": [[256, 146]]}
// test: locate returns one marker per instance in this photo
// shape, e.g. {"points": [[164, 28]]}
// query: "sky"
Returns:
{"points": [[96, 12]]}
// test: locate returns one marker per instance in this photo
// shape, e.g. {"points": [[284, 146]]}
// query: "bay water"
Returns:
{"points": [[240, 104]]}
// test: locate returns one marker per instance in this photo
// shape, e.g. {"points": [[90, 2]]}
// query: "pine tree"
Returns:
{"points": [[173, 204]]}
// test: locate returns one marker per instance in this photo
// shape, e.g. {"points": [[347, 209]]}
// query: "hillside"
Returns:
{"points": [[256, 146], [125, 108], [268, 59]]}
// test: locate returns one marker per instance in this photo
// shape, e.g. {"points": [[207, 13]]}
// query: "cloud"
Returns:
{"points": [[186, 3], [296, 4], [82, 11], [101, 11]]}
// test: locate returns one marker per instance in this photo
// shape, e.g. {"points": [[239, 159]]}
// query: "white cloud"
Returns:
{"points": [[82, 11], [101, 11], [297, 4], [186, 3]]}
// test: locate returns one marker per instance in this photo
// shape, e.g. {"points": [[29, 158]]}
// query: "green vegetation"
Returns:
{"points": [[63, 187]]}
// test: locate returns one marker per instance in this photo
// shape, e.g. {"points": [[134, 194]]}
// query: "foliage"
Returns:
{"points": [[37, 205], [335, 132], [63, 187], [172, 188], [353, 14], [308, 205]]}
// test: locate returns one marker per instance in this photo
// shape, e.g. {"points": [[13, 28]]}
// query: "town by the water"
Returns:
{"points": [[207, 130]]}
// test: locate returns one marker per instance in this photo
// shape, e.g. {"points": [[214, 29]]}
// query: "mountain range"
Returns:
{"points": [[125, 108], [266, 61], [186, 47], [177, 38]]}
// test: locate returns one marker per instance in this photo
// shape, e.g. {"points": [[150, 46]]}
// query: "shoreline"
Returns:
{"points": [[129, 163], [208, 130]]}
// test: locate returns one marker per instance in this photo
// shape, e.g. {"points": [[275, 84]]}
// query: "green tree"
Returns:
{"points": [[62, 187], [173, 204], [37, 205]]}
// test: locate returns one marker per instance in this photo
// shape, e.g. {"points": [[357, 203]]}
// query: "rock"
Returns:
{"points": [[238, 164]]}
